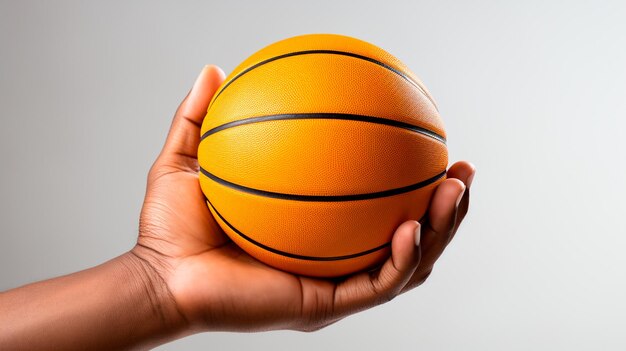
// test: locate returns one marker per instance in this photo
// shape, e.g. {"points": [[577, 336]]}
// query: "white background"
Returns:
{"points": [[533, 92]]}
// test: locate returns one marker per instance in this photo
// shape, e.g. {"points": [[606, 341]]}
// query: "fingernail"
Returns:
{"points": [[186, 109], [458, 199], [197, 82], [417, 233], [470, 179]]}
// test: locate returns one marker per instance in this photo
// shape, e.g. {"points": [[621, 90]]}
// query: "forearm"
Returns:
{"points": [[116, 305]]}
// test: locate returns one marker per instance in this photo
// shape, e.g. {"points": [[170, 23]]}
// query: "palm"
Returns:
{"points": [[186, 235]]}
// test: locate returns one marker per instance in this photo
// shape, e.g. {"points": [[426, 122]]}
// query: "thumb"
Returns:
{"points": [[181, 147]]}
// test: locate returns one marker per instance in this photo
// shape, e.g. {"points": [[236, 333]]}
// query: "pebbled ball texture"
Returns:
{"points": [[315, 149]]}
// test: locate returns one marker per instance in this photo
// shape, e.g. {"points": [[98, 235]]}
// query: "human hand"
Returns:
{"points": [[209, 283]]}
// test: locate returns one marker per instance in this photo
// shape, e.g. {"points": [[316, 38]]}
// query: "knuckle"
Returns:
{"points": [[425, 276], [311, 329], [388, 297], [308, 326], [383, 288], [385, 296], [419, 279]]}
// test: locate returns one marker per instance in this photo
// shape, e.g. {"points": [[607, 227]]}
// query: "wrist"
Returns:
{"points": [[151, 292]]}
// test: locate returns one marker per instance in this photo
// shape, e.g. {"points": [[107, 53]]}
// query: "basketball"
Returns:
{"points": [[315, 149]]}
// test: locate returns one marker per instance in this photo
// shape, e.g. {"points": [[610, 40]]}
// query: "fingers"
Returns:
{"points": [[412, 256], [463, 171], [438, 230], [447, 209], [181, 146], [368, 289], [443, 208]]}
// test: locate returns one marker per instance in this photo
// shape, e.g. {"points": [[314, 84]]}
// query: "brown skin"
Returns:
{"points": [[185, 276]]}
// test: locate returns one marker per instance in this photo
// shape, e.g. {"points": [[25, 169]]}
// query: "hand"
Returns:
{"points": [[211, 284]]}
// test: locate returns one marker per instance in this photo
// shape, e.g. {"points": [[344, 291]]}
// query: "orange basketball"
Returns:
{"points": [[315, 149]]}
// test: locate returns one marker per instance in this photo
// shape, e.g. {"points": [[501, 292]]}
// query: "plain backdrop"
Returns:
{"points": [[533, 92]]}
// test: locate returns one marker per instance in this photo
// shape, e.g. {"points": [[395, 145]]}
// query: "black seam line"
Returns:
{"points": [[340, 116], [291, 255], [323, 198], [331, 52]]}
